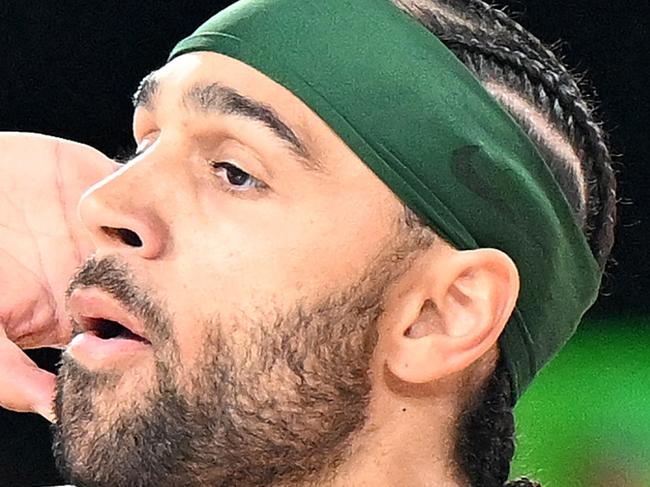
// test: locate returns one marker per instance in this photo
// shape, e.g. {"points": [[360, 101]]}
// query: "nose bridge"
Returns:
{"points": [[130, 210]]}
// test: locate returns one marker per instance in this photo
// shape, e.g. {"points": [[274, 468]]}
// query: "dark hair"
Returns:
{"points": [[513, 64]]}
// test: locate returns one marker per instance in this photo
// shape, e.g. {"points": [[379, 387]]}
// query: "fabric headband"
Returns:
{"points": [[424, 124]]}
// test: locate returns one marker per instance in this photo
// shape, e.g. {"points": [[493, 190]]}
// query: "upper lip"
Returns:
{"points": [[89, 306]]}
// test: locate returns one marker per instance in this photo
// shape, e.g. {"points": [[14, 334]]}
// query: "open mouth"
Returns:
{"points": [[100, 315], [109, 329], [111, 336]]}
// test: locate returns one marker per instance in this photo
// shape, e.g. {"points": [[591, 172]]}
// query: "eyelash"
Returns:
{"points": [[125, 158], [217, 167], [232, 171]]}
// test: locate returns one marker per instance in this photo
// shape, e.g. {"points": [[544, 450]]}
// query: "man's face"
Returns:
{"points": [[263, 249]]}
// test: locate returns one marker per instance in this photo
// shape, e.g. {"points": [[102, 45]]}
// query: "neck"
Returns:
{"points": [[416, 457], [404, 442]]}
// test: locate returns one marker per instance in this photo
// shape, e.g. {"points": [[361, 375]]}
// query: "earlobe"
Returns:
{"points": [[464, 300], [415, 345]]}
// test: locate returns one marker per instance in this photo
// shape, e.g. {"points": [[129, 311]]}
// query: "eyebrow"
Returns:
{"points": [[219, 99], [146, 92]]}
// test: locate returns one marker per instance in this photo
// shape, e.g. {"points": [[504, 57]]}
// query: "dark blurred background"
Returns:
{"points": [[68, 68]]}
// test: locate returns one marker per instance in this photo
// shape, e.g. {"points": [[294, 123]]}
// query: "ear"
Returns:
{"points": [[450, 313]]}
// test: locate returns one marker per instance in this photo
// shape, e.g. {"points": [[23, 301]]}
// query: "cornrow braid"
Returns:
{"points": [[486, 435], [561, 89], [512, 63], [524, 59]]}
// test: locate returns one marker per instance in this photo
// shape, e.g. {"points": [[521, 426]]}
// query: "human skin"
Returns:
{"points": [[42, 241], [209, 248]]}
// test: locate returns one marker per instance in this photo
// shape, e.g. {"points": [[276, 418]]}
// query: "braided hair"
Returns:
{"points": [[544, 98]]}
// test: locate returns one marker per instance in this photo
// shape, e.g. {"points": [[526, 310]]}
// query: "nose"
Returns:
{"points": [[121, 213]]}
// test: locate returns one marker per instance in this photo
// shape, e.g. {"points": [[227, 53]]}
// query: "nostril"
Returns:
{"points": [[129, 237], [125, 235]]}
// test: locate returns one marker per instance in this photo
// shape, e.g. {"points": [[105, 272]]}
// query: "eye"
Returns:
{"points": [[237, 178]]}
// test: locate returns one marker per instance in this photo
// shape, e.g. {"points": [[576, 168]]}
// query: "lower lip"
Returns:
{"points": [[95, 352]]}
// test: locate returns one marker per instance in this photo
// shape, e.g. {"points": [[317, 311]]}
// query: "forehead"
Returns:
{"points": [[174, 79], [347, 174]]}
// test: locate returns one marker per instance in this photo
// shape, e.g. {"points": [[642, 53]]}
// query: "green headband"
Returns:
{"points": [[423, 123]]}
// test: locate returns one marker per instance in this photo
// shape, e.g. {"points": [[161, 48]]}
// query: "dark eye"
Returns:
{"points": [[236, 177]]}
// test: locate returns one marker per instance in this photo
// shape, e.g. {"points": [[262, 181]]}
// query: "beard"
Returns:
{"points": [[280, 409]]}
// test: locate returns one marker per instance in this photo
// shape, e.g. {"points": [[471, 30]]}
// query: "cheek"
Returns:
{"points": [[240, 264], [195, 350], [253, 250]]}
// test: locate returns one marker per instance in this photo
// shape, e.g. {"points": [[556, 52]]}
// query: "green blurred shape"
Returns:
{"points": [[585, 421]]}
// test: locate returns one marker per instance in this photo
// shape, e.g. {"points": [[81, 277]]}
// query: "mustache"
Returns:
{"points": [[114, 277]]}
